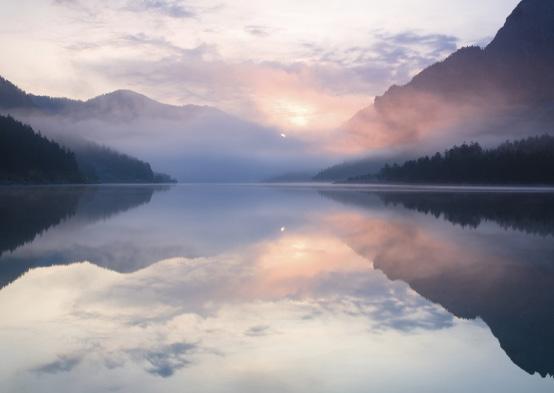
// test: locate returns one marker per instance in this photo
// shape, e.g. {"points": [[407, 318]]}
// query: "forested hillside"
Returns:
{"points": [[523, 162], [28, 157], [100, 164]]}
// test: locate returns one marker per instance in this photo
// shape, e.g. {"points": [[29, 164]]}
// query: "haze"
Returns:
{"points": [[278, 62], [298, 68]]}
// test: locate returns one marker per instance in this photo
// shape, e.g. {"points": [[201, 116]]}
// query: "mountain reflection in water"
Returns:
{"points": [[505, 277], [252, 288], [27, 212]]}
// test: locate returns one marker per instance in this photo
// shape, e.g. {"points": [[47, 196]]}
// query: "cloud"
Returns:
{"points": [[165, 361], [385, 60], [258, 331], [61, 365], [384, 306], [83, 12], [302, 83], [357, 69], [176, 9], [306, 88], [437, 42], [387, 47], [320, 90], [258, 31], [306, 99], [171, 8]]}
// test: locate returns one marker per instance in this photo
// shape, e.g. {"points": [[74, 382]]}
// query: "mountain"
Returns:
{"points": [[117, 106], [193, 143], [505, 90], [97, 163], [28, 157]]}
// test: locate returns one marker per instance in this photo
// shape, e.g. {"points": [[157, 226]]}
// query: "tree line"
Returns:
{"points": [[28, 157], [522, 162]]}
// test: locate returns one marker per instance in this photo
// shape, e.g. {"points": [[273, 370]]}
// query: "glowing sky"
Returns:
{"points": [[303, 65]]}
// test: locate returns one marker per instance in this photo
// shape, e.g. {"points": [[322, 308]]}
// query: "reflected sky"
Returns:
{"points": [[249, 289]]}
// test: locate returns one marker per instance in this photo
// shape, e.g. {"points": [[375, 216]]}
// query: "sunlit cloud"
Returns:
{"points": [[285, 65], [319, 92]]}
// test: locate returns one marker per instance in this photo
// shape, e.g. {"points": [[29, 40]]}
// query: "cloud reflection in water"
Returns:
{"points": [[291, 309]]}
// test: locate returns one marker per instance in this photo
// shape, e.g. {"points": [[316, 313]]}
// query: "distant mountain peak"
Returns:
{"points": [[123, 93], [12, 96], [126, 92]]}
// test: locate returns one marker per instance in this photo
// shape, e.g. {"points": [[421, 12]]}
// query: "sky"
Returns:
{"points": [[305, 66]]}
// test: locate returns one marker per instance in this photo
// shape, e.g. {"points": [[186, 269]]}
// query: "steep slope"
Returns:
{"points": [[28, 157], [503, 90]]}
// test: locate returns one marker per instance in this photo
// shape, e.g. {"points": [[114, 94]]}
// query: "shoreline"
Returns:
{"points": [[373, 187]]}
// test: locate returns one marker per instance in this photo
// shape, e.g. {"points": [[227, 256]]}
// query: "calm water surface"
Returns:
{"points": [[275, 289]]}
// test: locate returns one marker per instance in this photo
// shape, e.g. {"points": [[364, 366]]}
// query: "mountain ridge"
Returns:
{"points": [[514, 69], [123, 102], [192, 143], [502, 91]]}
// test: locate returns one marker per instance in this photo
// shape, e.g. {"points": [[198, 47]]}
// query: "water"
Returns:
{"points": [[222, 288]]}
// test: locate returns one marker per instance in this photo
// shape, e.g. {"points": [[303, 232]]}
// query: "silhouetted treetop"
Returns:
{"points": [[526, 161]]}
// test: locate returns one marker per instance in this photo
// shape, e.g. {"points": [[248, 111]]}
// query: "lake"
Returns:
{"points": [[244, 288]]}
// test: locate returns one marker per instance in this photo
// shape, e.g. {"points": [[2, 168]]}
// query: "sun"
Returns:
{"points": [[299, 120], [299, 114], [295, 113]]}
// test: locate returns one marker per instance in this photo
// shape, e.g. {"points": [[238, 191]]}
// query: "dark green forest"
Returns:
{"points": [[28, 157], [523, 162], [100, 164]]}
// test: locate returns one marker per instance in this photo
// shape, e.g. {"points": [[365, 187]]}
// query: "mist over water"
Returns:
{"points": [[192, 144]]}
